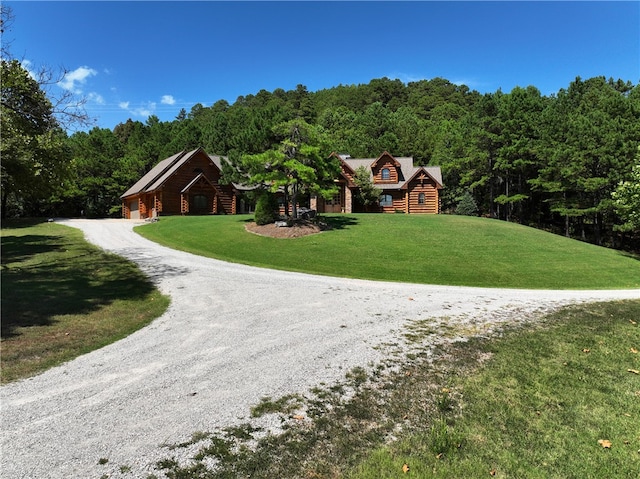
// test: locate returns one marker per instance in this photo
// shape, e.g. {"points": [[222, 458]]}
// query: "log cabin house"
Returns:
{"points": [[185, 183], [189, 183], [403, 187]]}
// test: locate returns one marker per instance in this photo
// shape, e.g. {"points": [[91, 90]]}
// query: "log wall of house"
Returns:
{"points": [[393, 172], [144, 206], [171, 192], [431, 194], [398, 201]]}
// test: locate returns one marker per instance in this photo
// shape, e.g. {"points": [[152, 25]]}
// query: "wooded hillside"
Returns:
{"points": [[552, 162]]}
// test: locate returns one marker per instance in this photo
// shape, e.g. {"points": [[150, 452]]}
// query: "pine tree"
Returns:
{"points": [[467, 205]]}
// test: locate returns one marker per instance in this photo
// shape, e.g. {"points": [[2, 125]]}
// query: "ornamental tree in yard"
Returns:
{"points": [[367, 193], [296, 164], [467, 205]]}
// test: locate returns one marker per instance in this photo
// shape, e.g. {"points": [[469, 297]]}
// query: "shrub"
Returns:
{"points": [[467, 205], [266, 209]]}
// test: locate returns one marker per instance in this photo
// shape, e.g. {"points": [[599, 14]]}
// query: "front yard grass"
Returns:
{"points": [[62, 297], [435, 249], [563, 401]]}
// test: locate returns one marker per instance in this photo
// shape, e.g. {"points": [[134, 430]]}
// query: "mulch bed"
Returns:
{"points": [[297, 230]]}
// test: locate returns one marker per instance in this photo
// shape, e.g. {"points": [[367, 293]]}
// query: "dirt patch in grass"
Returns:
{"points": [[296, 230]]}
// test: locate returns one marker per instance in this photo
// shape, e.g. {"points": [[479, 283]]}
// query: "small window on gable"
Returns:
{"points": [[197, 170], [386, 200], [386, 174], [421, 198]]}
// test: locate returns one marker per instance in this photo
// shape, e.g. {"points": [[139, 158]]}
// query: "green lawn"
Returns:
{"points": [[442, 249], [62, 297], [558, 402]]}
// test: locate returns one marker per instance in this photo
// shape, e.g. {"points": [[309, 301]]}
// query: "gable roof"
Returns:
{"points": [[160, 173], [405, 163], [195, 180], [432, 172], [386, 154], [143, 183]]}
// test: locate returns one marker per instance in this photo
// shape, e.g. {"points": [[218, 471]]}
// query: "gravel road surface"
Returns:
{"points": [[232, 335]]}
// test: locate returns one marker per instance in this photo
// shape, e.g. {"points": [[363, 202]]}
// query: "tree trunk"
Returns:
{"points": [[492, 209], [286, 201], [4, 203], [294, 202], [598, 229]]}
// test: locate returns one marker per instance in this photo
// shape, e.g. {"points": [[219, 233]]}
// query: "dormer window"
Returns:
{"points": [[386, 174]]}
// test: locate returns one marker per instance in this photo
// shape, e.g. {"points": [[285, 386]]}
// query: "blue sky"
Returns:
{"points": [[135, 59]]}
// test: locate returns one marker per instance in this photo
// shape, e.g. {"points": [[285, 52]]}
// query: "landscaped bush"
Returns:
{"points": [[467, 205], [266, 209]]}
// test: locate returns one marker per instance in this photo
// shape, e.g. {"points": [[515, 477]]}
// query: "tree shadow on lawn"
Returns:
{"points": [[335, 222], [17, 223], [340, 222], [631, 255], [16, 249], [70, 281]]}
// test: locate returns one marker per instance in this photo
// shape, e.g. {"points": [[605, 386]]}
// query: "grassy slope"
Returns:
{"points": [[452, 250], [539, 408], [62, 297]]}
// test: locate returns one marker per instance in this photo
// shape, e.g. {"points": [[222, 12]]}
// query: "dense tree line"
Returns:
{"points": [[567, 162]]}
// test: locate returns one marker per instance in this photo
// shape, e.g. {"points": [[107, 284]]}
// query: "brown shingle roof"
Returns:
{"points": [[143, 183], [407, 168], [164, 176], [160, 173]]}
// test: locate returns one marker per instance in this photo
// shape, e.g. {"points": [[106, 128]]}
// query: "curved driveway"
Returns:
{"points": [[232, 335]]}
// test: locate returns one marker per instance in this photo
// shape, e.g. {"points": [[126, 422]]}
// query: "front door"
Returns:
{"points": [[200, 204], [333, 205]]}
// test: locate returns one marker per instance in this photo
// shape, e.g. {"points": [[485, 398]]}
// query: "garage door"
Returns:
{"points": [[134, 212]]}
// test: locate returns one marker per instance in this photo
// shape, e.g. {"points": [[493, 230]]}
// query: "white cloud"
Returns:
{"points": [[74, 79], [96, 98], [142, 111], [405, 77], [26, 64], [167, 100], [145, 111], [463, 81]]}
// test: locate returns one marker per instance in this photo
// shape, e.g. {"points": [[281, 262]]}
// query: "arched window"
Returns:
{"points": [[421, 198], [386, 174], [386, 200]]}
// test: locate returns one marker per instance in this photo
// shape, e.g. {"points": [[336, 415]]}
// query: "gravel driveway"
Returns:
{"points": [[232, 335]]}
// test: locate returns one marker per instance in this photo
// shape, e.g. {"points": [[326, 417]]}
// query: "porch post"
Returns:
{"points": [[348, 199], [184, 205]]}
